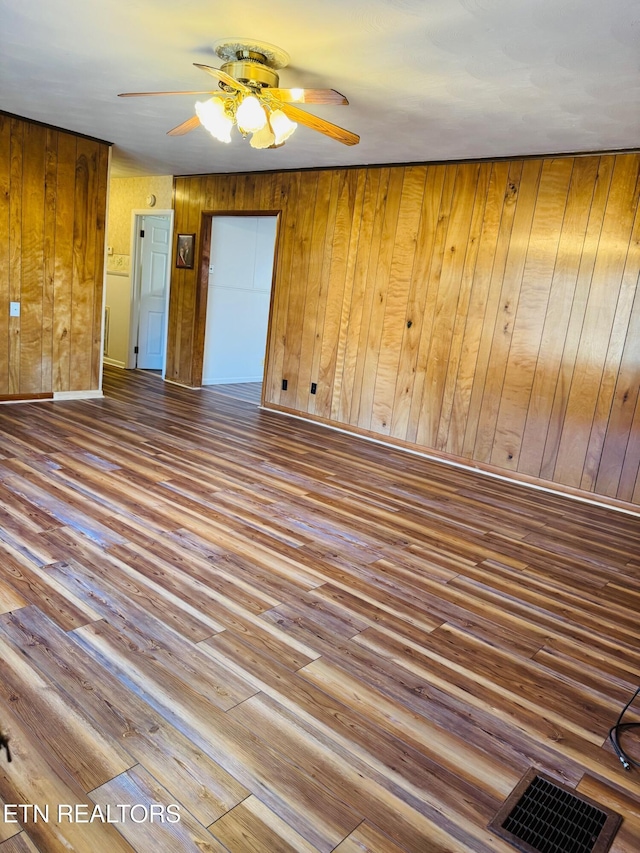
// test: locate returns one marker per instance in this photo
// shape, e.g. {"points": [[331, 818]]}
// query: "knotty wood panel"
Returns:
{"points": [[484, 312], [52, 217]]}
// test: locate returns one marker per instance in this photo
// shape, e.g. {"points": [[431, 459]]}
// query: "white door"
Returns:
{"points": [[240, 274], [155, 255]]}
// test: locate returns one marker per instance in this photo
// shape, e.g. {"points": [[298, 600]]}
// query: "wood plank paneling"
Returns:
{"points": [[379, 271], [587, 259], [551, 358], [530, 311], [449, 282], [49, 260], [489, 311], [610, 261], [63, 281], [315, 298], [18, 131], [5, 232], [395, 309], [484, 312], [98, 226], [31, 287], [52, 218]]}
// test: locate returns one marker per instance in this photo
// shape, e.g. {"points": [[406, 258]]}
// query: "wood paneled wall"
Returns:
{"points": [[53, 188], [489, 312]]}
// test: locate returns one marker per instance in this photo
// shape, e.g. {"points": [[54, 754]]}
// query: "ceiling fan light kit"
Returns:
{"points": [[213, 117], [281, 126], [248, 97], [250, 116], [264, 138]]}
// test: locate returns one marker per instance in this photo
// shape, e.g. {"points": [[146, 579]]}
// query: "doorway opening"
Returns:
{"points": [[150, 282], [240, 277]]}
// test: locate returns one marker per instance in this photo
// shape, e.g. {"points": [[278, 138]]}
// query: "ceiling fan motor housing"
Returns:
{"points": [[252, 73], [252, 62]]}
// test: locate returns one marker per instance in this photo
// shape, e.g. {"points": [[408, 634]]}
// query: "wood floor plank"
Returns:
{"points": [[319, 816], [367, 839], [10, 599], [194, 778], [153, 820], [88, 756], [35, 777], [7, 827], [32, 584], [20, 843], [370, 795], [522, 727], [252, 828], [305, 640], [376, 788], [628, 838], [147, 596]]}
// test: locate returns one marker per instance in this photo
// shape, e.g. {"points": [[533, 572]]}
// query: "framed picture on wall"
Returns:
{"points": [[185, 251]]}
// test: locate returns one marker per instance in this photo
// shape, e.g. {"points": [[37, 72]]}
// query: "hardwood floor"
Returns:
{"points": [[249, 391], [296, 639]]}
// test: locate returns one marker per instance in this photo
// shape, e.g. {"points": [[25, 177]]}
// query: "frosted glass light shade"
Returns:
{"points": [[214, 119], [281, 126], [251, 116], [264, 138]]}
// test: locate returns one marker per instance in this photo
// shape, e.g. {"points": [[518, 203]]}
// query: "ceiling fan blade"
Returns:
{"points": [[315, 123], [309, 96], [185, 127], [223, 77], [144, 94]]}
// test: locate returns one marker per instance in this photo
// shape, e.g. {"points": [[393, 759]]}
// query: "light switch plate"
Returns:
{"points": [[14, 309]]}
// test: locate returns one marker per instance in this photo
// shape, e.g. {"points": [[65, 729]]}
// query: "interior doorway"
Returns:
{"points": [[241, 264], [150, 282]]}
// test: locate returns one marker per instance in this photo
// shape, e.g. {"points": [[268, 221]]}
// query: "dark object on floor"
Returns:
{"points": [[4, 744], [543, 816], [616, 731]]}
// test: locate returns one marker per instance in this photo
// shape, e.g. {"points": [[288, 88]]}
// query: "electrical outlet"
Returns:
{"points": [[284, 384], [14, 309], [314, 387]]}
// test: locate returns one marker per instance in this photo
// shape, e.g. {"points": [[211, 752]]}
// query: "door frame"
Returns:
{"points": [[202, 290], [136, 283]]}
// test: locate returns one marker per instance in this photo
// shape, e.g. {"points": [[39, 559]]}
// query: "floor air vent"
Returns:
{"points": [[543, 816]]}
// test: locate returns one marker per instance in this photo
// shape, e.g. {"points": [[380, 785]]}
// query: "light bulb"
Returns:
{"points": [[250, 116], [214, 119], [281, 126], [264, 138]]}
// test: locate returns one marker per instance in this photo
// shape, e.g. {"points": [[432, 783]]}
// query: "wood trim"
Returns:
{"points": [[24, 398], [202, 289]]}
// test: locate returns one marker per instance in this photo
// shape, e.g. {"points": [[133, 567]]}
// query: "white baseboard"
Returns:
{"points": [[182, 385], [77, 395], [113, 362]]}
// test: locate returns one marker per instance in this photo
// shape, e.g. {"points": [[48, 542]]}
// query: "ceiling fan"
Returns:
{"points": [[248, 96]]}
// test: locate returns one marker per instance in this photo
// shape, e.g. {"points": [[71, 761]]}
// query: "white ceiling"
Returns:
{"points": [[426, 79]]}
